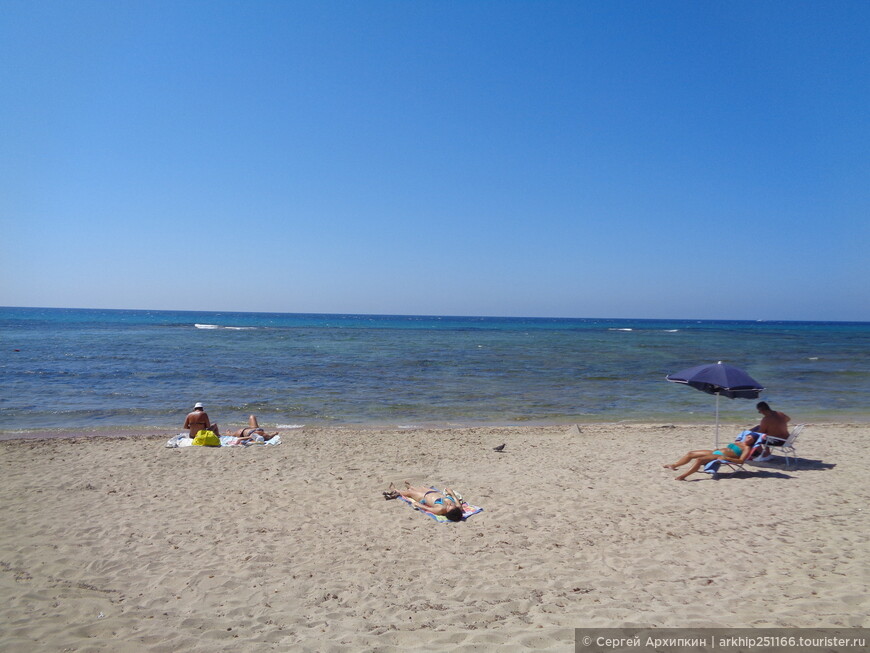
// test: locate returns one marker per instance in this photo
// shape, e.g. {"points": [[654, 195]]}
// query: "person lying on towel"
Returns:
{"points": [[252, 433], [447, 503]]}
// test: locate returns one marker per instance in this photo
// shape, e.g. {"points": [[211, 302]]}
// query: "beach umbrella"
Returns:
{"points": [[720, 380]]}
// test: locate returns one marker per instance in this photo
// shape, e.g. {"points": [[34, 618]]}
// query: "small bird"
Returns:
{"points": [[499, 448]]}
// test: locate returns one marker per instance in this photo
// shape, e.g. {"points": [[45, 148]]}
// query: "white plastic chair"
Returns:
{"points": [[785, 447]]}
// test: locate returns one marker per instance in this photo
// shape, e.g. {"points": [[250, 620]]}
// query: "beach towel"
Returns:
{"points": [[712, 467], [184, 440], [467, 510]]}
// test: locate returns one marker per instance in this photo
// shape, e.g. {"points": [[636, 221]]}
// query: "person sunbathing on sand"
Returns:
{"points": [[447, 503], [737, 452], [252, 434]]}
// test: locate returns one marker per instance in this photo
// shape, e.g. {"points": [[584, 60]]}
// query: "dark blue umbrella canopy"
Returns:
{"points": [[721, 379]]}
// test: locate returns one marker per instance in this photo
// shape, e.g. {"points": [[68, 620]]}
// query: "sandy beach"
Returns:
{"points": [[122, 544]]}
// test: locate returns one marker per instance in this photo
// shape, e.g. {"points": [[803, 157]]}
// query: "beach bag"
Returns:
{"points": [[206, 438]]}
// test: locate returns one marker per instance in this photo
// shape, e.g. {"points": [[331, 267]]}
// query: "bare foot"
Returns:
{"points": [[680, 478], [669, 466]]}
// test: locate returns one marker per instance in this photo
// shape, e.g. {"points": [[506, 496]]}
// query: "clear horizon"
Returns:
{"points": [[553, 159], [432, 315]]}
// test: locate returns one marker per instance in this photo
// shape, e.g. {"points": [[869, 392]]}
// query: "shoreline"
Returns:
{"points": [[156, 432], [126, 545]]}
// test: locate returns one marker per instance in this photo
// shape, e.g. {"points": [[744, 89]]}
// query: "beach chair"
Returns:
{"points": [[785, 447], [714, 466]]}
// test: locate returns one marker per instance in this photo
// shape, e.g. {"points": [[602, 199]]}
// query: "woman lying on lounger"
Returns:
{"points": [[447, 503], [252, 434], [737, 452]]}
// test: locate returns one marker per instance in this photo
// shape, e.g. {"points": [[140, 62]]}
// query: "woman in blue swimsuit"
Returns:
{"points": [[737, 452], [446, 503]]}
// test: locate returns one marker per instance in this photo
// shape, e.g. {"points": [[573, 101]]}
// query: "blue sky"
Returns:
{"points": [[576, 159]]}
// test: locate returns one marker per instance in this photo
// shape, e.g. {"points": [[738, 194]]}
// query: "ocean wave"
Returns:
{"points": [[289, 426], [614, 329], [229, 328]]}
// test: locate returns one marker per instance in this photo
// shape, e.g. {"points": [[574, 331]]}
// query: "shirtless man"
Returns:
{"points": [[774, 424], [198, 419]]}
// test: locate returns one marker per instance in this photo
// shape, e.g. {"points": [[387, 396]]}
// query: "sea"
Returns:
{"points": [[109, 370]]}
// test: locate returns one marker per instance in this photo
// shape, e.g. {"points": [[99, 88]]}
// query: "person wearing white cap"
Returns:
{"points": [[198, 420]]}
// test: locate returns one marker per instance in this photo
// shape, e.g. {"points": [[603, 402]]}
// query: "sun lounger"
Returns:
{"points": [[735, 466]]}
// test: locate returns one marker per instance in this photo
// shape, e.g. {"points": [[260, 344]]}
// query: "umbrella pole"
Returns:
{"points": [[717, 420]]}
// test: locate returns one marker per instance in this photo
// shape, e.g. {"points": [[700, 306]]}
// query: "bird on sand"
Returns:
{"points": [[499, 448]]}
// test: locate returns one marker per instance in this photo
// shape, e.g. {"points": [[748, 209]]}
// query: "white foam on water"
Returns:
{"points": [[289, 426], [620, 329], [206, 326]]}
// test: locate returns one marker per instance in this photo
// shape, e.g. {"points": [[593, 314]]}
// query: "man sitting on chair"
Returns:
{"points": [[774, 424]]}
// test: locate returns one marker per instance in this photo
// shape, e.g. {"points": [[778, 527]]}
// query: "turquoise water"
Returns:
{"points": [[72, 368]]}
